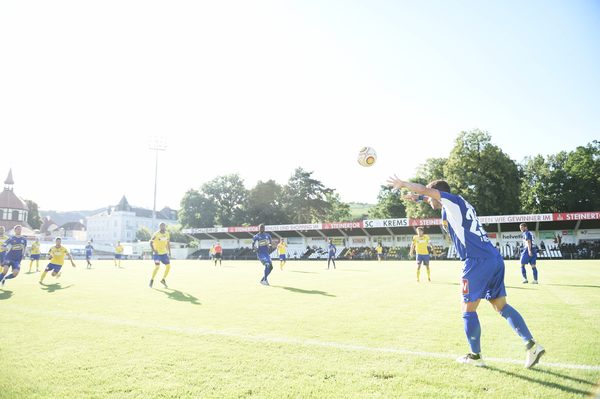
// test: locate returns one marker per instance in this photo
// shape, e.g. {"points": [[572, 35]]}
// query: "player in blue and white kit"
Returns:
{"points": [[331, 255], [528, 254], [15, 253], [263, 251], [89, 251], [483, 270]]}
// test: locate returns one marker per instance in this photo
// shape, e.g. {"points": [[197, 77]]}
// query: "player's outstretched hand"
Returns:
{"points": [[395, 182]]}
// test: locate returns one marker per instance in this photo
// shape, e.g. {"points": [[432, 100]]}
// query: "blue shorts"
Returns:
{"points": [[15, 264], [483, 278], [52, 266], [164, 258], [525, 258], [2, 255], [264, 259], [282, 257], [117, 256], [378, 256], [88, 255], [35, 257], [331, 255], [423, 258]]}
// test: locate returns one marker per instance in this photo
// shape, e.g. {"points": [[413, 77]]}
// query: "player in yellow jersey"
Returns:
{"points": [[2, 239], [162, 252], [379, 251], [35, 254], [421, 242], [118, 253], [57, 259], [212, 253], [281, 250]]}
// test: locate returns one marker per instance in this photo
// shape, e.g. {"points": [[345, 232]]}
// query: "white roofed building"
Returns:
{"points": [[122, 221]]}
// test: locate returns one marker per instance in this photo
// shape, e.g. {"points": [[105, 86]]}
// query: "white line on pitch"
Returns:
{"points": [[297, 341]]}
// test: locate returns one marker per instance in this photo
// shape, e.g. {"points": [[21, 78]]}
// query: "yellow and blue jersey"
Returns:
{"points": [[58, 255], [160, 241], [35, 248], [89, 249], [421, 243], [118, 249], [281, 248]]}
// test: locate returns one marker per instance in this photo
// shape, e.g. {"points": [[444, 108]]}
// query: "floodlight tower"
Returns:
{"points": [[157, 143]]}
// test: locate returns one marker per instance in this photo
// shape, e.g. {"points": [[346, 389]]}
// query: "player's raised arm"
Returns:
{"points": [[397, 184]]}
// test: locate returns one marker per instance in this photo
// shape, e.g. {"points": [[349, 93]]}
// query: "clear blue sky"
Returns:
{"points": [[262, 87]]}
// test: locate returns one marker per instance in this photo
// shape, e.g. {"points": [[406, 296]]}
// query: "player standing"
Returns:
{"points": [[379, 251], [162, 252], [57, 260], [281, 250], [331, 254], [212, 254], [421, 242], [483, 270], [89, 251], [528, 254], [219, 254], [35, 255], [263, 251], [118, 253], [15, 252]]}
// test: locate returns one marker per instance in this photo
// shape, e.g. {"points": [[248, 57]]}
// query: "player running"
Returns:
{"points": [[420, 242], [528, 254], [14, 249], [57, 260], [89, 251], [331, 254], [483, 270], [281, 250], [263, 250], [3, 238], [35, 255], [162, 252]]}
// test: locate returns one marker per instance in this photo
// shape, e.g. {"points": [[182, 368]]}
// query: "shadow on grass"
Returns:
{"points": [[301, 291], [575, 285], [5, 295], [298, 271], [180, 296], [54, 287], [548, 384]]}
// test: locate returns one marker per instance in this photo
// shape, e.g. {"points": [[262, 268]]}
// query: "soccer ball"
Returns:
{"points": [[367, 156]]}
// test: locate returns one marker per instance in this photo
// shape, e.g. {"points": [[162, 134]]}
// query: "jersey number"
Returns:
{"points": [[476, 227]]}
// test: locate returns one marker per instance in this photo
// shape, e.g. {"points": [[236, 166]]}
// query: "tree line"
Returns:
{"points": [[475, 168]]}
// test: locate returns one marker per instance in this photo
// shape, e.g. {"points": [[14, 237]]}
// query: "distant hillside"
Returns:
{"points": [[358, 209], [61, 218]]}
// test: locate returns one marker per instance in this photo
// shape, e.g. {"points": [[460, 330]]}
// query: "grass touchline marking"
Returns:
{"points": [[296, 341]]}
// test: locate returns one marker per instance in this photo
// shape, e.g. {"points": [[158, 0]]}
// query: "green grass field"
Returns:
{"points": [[365, 330]]}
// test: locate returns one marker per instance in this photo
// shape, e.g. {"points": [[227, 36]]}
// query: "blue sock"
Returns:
{"points": [[267, 272], [515, 320], [523, 272], [9, 276], [534, 269], [1, 276], [328, 261], [473, 330]]}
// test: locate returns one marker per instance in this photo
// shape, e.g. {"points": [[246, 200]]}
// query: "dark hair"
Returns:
{"points": [[440, 185], [523, 224]]}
